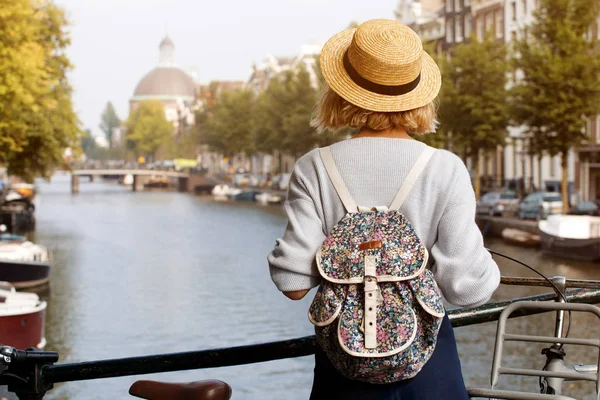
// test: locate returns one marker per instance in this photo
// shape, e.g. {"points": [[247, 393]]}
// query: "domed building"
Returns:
{"points": [[170, 85]]}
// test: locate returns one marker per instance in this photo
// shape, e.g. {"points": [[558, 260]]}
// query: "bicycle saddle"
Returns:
{"points": [[200, 390]]}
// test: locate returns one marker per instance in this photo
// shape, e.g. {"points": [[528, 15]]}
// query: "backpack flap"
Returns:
{"points": [[428, 294], [327, 304], [402, 255], [395, 324]]}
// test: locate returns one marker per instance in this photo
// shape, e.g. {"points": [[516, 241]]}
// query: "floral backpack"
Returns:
{"points": [[378, 309]]}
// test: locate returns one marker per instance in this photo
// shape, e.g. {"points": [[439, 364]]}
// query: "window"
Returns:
{"points": [[532, 198], [489, 21], [468, 25], [499, 25], [449, 30], [480, 27], [598, 129], [449, 5], [467, 3], [552, 166], [456, 5], [552, 197], [513, 10], [459, 29]]}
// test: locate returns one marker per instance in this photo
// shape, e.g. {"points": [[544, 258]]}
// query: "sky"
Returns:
{"points": [[115, 42]]}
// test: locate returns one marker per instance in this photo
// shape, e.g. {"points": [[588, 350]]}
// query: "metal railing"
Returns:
{"points": [[34, 373]]}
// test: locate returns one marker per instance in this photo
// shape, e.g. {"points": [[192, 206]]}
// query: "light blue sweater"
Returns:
{"points": [[441, 208]]}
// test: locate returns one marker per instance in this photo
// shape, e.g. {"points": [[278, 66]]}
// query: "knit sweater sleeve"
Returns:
{"points": [[292, 263], [464, 270]]}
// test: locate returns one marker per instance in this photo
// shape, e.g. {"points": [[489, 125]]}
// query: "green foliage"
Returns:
{"points": [[474, 104], [88, 144], [560, 84], [109, 121], [298, 136], [229, 127], [148, 129], [37, 121]]}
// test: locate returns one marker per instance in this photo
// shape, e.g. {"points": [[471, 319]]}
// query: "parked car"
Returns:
{"points": [[497, 203], [539, 205], [586, 208]]}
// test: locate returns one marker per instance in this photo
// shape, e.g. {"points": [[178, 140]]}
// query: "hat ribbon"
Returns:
{"points": [[364, 83]]}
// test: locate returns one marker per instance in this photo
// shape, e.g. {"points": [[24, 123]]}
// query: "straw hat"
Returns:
{"points": [[380, 66]]}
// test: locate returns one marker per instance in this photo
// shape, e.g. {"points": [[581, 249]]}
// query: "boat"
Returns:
{"points": [[24, 264], [246, 195], [127, 180], [220, 191], [9, 237], [20, 190], [268, 198], [22, 318], [157, 181], [18, 213], [571, 236], [521, 238]]}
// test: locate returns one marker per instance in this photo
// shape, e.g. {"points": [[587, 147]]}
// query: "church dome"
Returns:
{"points": [[166, 81]]}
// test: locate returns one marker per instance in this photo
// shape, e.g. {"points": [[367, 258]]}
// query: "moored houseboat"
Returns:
{"points": [[571, 236], [22, 318], [24, 264]]}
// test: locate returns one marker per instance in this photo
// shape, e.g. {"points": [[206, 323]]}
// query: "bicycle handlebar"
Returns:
{"points": [[10, 356]]}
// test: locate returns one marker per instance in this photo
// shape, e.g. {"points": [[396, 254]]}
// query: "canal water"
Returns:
{"points": [[161, 272]]}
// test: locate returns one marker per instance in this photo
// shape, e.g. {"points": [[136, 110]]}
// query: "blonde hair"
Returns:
{"points": [[333, 112]]}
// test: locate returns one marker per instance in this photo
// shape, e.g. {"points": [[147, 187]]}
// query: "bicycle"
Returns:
{"points": [[555, 371]]}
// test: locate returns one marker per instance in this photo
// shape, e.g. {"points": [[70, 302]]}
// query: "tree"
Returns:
{"points": [[148, 129], [109, 121], [560, 84], [299, 136], [475, 106], [88, 144], [329, 137], [37, 121], [441, 137], [229, 129]]}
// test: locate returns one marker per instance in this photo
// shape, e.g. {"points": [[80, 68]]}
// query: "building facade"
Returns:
{"points": [[511, 165], [262, 73]]}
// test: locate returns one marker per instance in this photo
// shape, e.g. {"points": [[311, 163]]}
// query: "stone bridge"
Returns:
{"points": [[186, 182]]}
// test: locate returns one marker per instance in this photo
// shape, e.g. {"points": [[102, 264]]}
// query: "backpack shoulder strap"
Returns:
{"points": [[336, 180], [412, 177]]}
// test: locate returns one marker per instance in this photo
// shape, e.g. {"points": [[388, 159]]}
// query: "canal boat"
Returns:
{"points": [[268, 198], [245, 195], [127, 180], [22, 318], [24, 264], [157, 181], [571, 236], [18, 214], [221, 191], [520, 238]]}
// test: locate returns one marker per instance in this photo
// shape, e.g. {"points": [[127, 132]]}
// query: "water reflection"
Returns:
{"points": [[144, 273]]}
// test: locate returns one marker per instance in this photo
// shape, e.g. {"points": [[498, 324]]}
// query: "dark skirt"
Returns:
{"points": [[440, 378]]}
